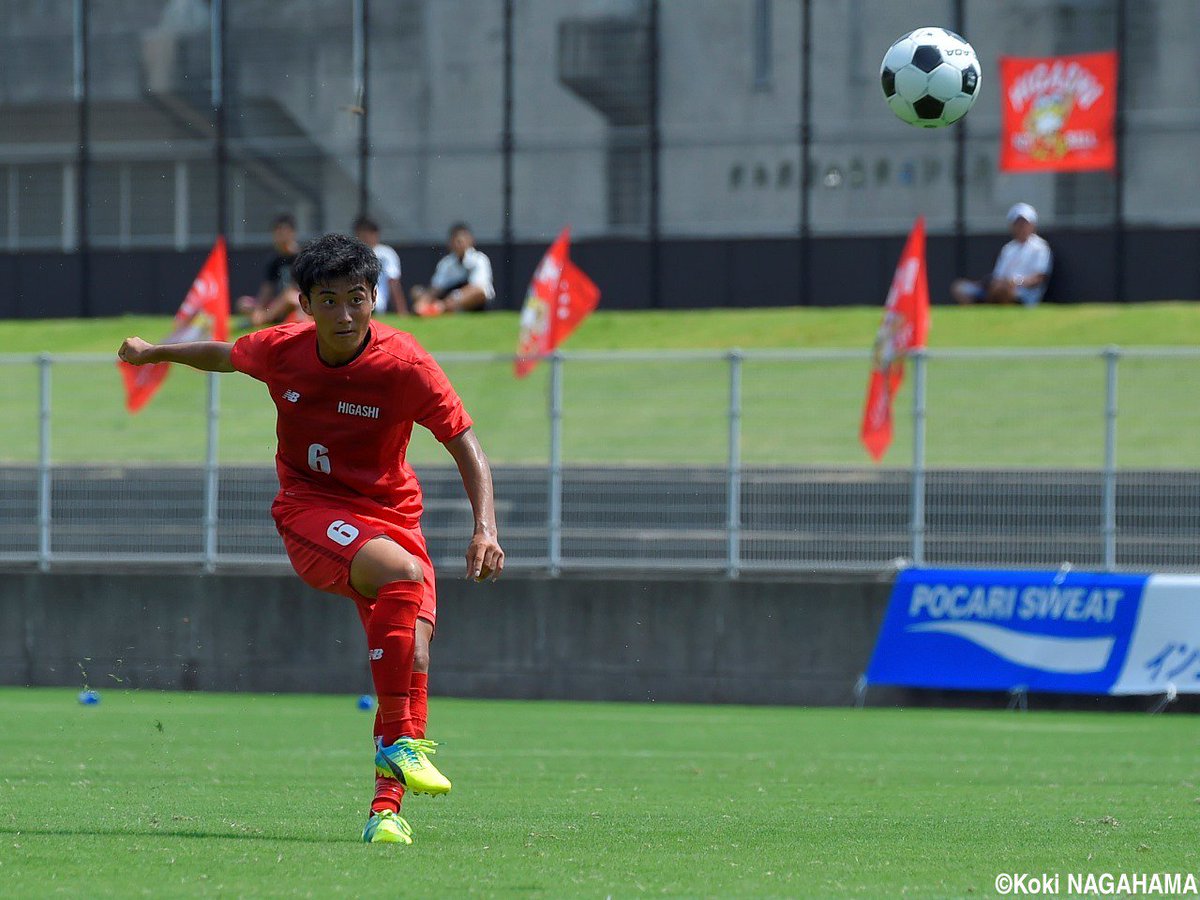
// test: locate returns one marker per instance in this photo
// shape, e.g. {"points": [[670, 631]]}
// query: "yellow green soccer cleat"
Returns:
{"points": [[387, 827], [406, 760]]}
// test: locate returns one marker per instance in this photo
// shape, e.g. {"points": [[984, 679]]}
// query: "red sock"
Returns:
{"points": [[418, 702], [391, 632], [388, 794]]}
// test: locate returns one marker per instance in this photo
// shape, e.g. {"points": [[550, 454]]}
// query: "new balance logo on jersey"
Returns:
{"points": [[291, 396], [358, 409], [375, 654]]}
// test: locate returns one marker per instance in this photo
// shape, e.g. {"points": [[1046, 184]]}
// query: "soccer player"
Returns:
{"points": [[347, 392]]}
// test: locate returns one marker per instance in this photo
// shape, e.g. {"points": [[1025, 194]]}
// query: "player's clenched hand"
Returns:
{"points": [[135, 351], [485, 558]]}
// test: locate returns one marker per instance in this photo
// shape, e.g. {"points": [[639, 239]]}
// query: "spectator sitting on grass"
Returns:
{"points": [[1021, 268], [462, 281], [388, 288], [278, 298]]}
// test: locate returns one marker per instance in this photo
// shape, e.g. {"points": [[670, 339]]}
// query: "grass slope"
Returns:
{"points": [[982, 412], [249, 795], [1157, 324]]}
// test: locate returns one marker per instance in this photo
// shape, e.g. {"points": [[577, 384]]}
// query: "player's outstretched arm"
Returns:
{"points": [[485, 558], [207, 356]]}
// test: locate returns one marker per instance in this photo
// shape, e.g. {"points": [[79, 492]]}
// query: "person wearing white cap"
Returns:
{"points": [[1021, 269]]}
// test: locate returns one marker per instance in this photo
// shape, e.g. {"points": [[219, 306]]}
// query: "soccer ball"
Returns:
{"points": [[930, 77]]}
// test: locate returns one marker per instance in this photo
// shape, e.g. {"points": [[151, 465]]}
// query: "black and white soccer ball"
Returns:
{"points": [[930, 77]]}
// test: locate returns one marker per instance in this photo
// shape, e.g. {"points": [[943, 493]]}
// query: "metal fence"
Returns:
{"points": [[731, 462]]}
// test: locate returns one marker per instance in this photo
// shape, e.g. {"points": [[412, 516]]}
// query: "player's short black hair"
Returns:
{"points": [[284, 219], [457, 227], [366, 223], [334, 256]]}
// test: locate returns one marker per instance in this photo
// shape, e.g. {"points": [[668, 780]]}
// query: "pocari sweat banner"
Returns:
{"points": [[1077, 633]]}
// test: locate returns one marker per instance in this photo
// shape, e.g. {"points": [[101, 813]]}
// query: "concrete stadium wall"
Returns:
{"points": [[802, 641]]}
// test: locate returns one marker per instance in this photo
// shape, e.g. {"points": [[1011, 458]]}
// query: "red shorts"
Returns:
{"points": [[322, 535]]}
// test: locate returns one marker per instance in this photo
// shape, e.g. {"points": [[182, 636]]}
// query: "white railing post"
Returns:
{"points": [[211, 471], [44, 362], [917, 524], [1112, 356], [733, 510], [555, 487]]}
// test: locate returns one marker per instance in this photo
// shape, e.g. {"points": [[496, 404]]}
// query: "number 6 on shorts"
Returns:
{"points": [[341, 532]]}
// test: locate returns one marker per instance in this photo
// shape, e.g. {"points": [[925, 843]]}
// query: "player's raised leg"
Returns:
{"points": [[393, 578]]}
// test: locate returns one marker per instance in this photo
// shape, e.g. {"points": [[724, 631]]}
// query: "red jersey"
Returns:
{"points": [[343, 430]]}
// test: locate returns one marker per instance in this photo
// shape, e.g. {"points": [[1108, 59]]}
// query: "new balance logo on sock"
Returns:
{"points": [[375, 654]]}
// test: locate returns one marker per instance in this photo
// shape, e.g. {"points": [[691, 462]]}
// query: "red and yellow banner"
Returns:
{"points": [[560, 297], [904, 327], [1058, 114], [203, 314]]}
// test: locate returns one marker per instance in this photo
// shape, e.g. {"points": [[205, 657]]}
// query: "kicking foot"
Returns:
{"points": [[406, 761]]}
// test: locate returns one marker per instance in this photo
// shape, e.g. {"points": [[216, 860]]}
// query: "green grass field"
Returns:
{"points": [[1030, 412], [1142, 324], [250, 795]]}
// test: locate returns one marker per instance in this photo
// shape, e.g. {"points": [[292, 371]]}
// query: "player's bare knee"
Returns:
{"points": [[408, 570], [399, 566], [382, 561]]}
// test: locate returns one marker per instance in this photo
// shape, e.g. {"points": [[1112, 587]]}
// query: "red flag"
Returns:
{"points": [[905, 324], [560, 297], [204, 313], [1058, 113]]}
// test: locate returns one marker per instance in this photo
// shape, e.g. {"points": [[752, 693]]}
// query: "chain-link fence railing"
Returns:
{"points": [[726, 462]]}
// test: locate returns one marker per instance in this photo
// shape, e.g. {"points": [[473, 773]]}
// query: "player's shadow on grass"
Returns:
{"points": [[164, 832]]}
